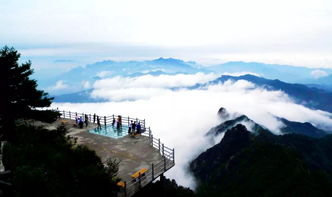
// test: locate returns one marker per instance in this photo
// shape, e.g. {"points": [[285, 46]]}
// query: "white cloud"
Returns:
{"points": [[143, 87], [218, 21], [59, 85], [86, 84], [150, 81], [239, 29], [181, 118], [103, 74], [318, 74], [237, 74], [154, 70], [127, 93]]}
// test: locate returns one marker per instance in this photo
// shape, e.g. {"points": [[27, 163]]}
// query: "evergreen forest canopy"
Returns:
{"points": [[37, 161], [19, 93]]}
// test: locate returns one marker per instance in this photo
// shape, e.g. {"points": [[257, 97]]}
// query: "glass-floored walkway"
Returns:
{"points": [[110, 131]]}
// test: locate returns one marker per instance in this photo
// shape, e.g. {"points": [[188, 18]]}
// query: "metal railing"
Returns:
{"points": [[167, 162], [105, 120], [132, 186], [157, 144]]}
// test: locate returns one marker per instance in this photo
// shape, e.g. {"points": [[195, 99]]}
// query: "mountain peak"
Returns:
{"points": [[168, 60], [301, 128]]}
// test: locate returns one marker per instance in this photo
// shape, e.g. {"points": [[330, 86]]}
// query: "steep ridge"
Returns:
{"points": [[289, 127], [302, 128], [247, 164]]}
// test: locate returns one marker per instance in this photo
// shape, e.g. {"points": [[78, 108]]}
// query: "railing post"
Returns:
{"points": [[163, 150], [64, 115], [105, 120], [173, 156], [164, 164], [159, 144], [90, 118], [152, 140], [149, 132], [152, 168], [69, 115], [139, 180]]}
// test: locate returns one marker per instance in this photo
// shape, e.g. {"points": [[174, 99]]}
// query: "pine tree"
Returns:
{"points": [[19, 93]]}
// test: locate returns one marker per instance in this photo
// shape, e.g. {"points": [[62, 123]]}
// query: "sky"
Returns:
{"points": [[295, 32]]}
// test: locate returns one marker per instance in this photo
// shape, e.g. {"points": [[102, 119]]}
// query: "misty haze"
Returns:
{"points": [[166, 98]]}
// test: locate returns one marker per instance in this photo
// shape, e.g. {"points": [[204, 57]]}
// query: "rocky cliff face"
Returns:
{"points": [[247, 163], [231, 143], [289, 126]]}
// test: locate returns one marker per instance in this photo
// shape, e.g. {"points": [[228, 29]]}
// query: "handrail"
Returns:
{"points": [[150, 175], [108, 120], [168, 154], [104, 120]]}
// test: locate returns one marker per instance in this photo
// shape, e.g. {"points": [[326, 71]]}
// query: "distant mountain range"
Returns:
{"points": [[111, 68], [77, 97], [290, 74], [302, 94], [108, 68], [308, 96]]}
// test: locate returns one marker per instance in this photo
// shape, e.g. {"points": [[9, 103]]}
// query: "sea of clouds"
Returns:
{"points": [[181, 117]]}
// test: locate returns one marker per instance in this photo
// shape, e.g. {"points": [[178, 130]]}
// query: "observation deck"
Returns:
{"points": [[138, 153]]}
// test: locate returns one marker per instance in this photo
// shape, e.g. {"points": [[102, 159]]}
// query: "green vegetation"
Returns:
{"points": [[48, 116], [165, 188], [19, 93], [243, 164], [43, 162], [265, 170], [46, 163]]}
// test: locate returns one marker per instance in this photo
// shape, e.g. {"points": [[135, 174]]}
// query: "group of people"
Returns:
{"points": [[80, 121], [134, 128]]}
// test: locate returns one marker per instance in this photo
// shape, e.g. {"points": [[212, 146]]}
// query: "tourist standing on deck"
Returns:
{"points": [[80, 123], [98, 122], [118, 122], [59, 114], [113, 121], [76, 119], [86, 120], [138, 128], [129, 127], [133, 126], [94, 118]]}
